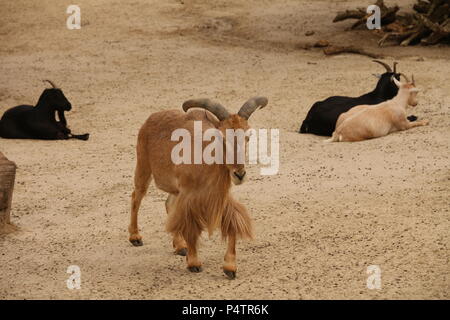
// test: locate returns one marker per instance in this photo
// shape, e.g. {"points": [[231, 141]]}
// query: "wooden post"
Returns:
{"points": [[7, 176]]}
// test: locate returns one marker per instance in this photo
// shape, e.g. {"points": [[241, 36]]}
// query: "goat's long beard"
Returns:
{"points": [[235, 220], [209, 209]]}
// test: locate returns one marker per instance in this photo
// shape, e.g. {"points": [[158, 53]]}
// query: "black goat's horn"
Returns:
{"points": [[251, 105], [215, 108], [395, 66], [387, 67], [51, 83]]}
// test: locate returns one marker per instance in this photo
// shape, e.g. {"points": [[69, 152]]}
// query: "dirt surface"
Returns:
{"points": [[333, 209]]}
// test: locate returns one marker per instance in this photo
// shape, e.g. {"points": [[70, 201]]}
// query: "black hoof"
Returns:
{"points": [[230, 274], [84, 137], [195, 269], [412, 118], [181, 252], [137, 243]]}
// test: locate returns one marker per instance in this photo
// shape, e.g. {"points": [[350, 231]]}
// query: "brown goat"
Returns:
{"points": [[199, 194]]}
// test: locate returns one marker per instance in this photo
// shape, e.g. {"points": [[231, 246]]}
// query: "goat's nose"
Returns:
{"points": [[240, 175]]}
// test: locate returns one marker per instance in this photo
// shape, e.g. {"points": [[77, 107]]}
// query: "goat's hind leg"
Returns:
{"points": [[142, 177], [178, 242]]}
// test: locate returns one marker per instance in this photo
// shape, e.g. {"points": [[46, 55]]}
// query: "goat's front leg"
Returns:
{"points": [[187, 227], [193, 263], [83, 137], [62, 123], [229, 266], [63, 128], [405, 124], [62, 136], [418, 124], [62, 118]]}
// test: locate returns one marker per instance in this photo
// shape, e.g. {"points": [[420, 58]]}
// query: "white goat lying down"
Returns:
{"points": [[366, 122]]}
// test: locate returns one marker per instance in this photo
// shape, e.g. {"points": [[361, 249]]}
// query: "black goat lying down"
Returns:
{"points": [[321, 118], [39, 122]]}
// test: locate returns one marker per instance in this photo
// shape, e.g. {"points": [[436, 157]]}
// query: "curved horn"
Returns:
{"points": [[251, 105], [385, 65], [412, 79], [395, 66], [397, 83], [404, 76], [51, 83], [215, 108]]}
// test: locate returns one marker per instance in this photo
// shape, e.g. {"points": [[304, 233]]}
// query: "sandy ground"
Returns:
{"points": [[331, 211]]}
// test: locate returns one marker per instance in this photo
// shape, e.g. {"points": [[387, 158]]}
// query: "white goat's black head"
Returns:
{"points": [[386, 88]]}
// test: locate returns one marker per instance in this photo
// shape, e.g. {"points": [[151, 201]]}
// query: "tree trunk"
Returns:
{"points": [[7, 176]]}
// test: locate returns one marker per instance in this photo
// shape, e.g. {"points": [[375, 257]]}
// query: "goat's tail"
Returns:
{"points": [[334, 138]]}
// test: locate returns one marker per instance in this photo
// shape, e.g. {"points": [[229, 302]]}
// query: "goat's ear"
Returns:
{"points": [[397, 83], [377, 75]]}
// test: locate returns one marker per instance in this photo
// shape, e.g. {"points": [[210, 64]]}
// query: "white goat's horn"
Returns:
{"points": [[404, 76]]}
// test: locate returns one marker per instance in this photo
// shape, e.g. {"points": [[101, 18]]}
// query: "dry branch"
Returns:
{"points": [[429, 24], [360, 14]]}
